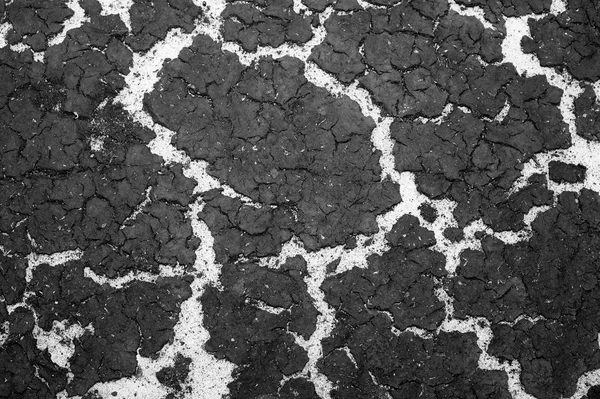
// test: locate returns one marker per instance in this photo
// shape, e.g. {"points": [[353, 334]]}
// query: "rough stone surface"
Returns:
{"points": [[151, 20], [139, 317], [407, 366], [503, 282], [569, 40], [587, 111], [265, 23], [562, 172], [34, 22], [496, 10], [279, 140], [26, 371], [400, 282], [174, 376], [252, 322], [76, 175]]}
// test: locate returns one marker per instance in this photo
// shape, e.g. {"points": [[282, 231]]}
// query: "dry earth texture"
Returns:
{"points": [[300, 199]]}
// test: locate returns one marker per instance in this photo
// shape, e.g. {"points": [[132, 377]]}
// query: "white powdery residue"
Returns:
{"points": [[197, 170], [38, 56], [31, 240], [476, 12], [536, 165], [452, 250], [316, 262], [299, 7], [102, 104], [530, 319], [503, 112], [4, 29], [208, 376], [489, 362], [558, 7], [509, 237], [141, 80], [78, 19], [531, 215], [482, 63], [59, 340], [97, 143], [119, 7], [320, 78], [161, 144], [262, 305], [528, 65], [581, 151], [350, 355], [302, 52], [448, 108], [355, 257], [23, 304], [361, 96], [596, 87], [211, 11], [206, 263], [377, 243], [348, 259], [380, 137], [412, 199], [513, 237], [4, 332], [419, 332], [55, 259], [120, 282], [481, 327], [382, 141], [365, 4], [144, 72], [143, 384], [138, 209], [585, 382], [465, 109], [385, 392], [316, 265], [20, 47], [63, 394], [6, 252]]}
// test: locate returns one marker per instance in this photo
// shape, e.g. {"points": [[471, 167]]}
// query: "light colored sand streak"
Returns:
{"points": [[76, 20]]}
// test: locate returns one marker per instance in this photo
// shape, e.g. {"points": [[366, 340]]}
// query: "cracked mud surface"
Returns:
{"points": [[299, 199]]}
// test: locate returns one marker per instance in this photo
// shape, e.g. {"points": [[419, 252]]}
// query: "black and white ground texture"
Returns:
{"points": [[300, 199]]}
